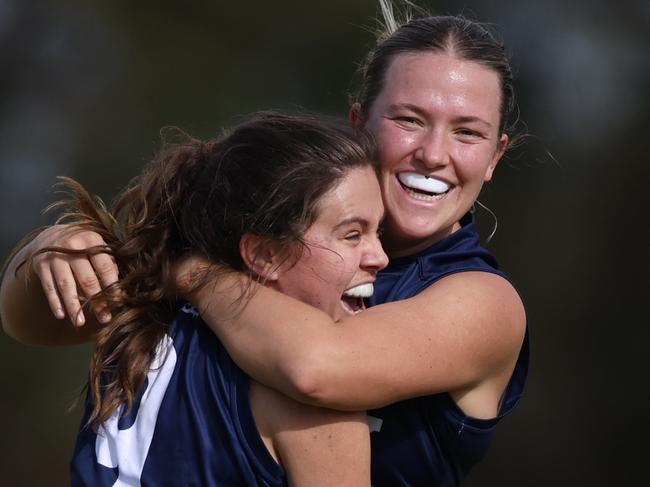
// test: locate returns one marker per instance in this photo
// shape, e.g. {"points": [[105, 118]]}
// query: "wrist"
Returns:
{"points": [[220, 289]]}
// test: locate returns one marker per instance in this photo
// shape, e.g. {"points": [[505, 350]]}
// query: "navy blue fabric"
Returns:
{"points": [[429, 441], [204, 433]]}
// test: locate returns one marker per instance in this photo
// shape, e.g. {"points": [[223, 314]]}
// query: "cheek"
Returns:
{"points": [[337, 270], [472, 164], [393, 146], [352, 264], [328, 263]]}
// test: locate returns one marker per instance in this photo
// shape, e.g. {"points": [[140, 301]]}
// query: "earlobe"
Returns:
{"points": [[502, 145], [259, 256]]}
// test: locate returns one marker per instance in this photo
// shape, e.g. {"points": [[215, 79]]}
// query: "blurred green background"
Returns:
{"points": [[86, 86]]}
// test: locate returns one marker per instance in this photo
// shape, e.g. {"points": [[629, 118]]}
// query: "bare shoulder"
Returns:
{"points": [[470, 325], [481, 302], [492, 312]]}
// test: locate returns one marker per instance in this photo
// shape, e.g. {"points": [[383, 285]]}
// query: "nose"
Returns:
{"points": [[374, 258], [432, 150]]}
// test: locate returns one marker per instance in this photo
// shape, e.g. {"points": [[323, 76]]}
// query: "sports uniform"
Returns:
{"points": [[191, 423], [429, 441]]}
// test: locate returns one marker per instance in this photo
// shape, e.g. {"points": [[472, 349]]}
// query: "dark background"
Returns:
{"points": [[86, 86]]}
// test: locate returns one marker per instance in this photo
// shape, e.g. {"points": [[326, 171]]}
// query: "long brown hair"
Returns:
{"points": [[265, 177]]}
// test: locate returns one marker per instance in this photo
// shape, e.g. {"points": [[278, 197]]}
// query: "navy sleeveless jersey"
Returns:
{"points": [[191, 424], [429, 441]]}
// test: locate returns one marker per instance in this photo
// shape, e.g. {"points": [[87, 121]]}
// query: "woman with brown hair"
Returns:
{"points": [[294, 204]]}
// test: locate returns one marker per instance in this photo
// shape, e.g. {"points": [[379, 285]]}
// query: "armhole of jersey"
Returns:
{"points": [[249, 434], [515, 388]]}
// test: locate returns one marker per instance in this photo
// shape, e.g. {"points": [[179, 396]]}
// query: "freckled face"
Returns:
{"points": [[342, 247], [436, 122]]}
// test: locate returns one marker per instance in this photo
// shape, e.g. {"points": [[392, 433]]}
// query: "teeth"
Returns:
{"points": [[360, 291], [424, 197], [423, 183]]}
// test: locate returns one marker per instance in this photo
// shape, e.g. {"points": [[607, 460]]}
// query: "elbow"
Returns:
{"points": [[6, 322], [10, 320], [315, 382], [306, 382], [10, 312], [6, 330], [10, 329]]}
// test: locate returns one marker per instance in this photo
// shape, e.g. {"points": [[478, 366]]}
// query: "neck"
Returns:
{"points": [[401, 247]]}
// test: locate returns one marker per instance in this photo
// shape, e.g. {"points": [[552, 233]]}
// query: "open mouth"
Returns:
{"points": [[422, 187], [352, 299]]}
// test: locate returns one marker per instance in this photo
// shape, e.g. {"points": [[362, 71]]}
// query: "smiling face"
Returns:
{"points": [[436, 122], [342, 250]]}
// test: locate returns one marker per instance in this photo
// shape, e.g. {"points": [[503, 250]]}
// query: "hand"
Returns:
{"points": [[68, 277]]}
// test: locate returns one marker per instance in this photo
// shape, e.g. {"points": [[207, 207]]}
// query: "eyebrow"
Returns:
{"points": [[361, 221], [470, 119], [408, 106], [423, 113], [348, 221]]}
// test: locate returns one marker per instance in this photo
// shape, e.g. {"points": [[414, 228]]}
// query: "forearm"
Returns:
{"points": [[24, 310], [299, 350], [456, 335], [265, 338]]}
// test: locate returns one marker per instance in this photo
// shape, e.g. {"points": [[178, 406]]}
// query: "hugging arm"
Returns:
{"points": [[40, 300], [461, 335]]}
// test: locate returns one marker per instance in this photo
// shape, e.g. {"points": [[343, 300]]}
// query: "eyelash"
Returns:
{"points": [[469, 133], [407, 120]]}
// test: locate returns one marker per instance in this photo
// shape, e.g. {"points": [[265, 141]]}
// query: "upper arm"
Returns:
{"points": [[316, 446], [458, 334]]}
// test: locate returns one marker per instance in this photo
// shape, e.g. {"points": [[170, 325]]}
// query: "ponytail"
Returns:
{"points": [[141, 233]]}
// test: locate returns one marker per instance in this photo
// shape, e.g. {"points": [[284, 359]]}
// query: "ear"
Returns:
{"points": [[260, 256], [502, 145], [355, 116]]}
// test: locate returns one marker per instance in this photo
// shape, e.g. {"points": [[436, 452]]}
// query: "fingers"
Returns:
{"points": [[93, 273], [67, 288], [105, 268], [87, 285], [49, 289], [66, 278], [60, 289]]}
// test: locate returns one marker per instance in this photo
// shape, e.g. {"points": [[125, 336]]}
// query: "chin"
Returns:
{"points": [[415, 231]]}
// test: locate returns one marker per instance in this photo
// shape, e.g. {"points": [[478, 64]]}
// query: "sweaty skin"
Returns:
{"points": [[438, 117]]}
